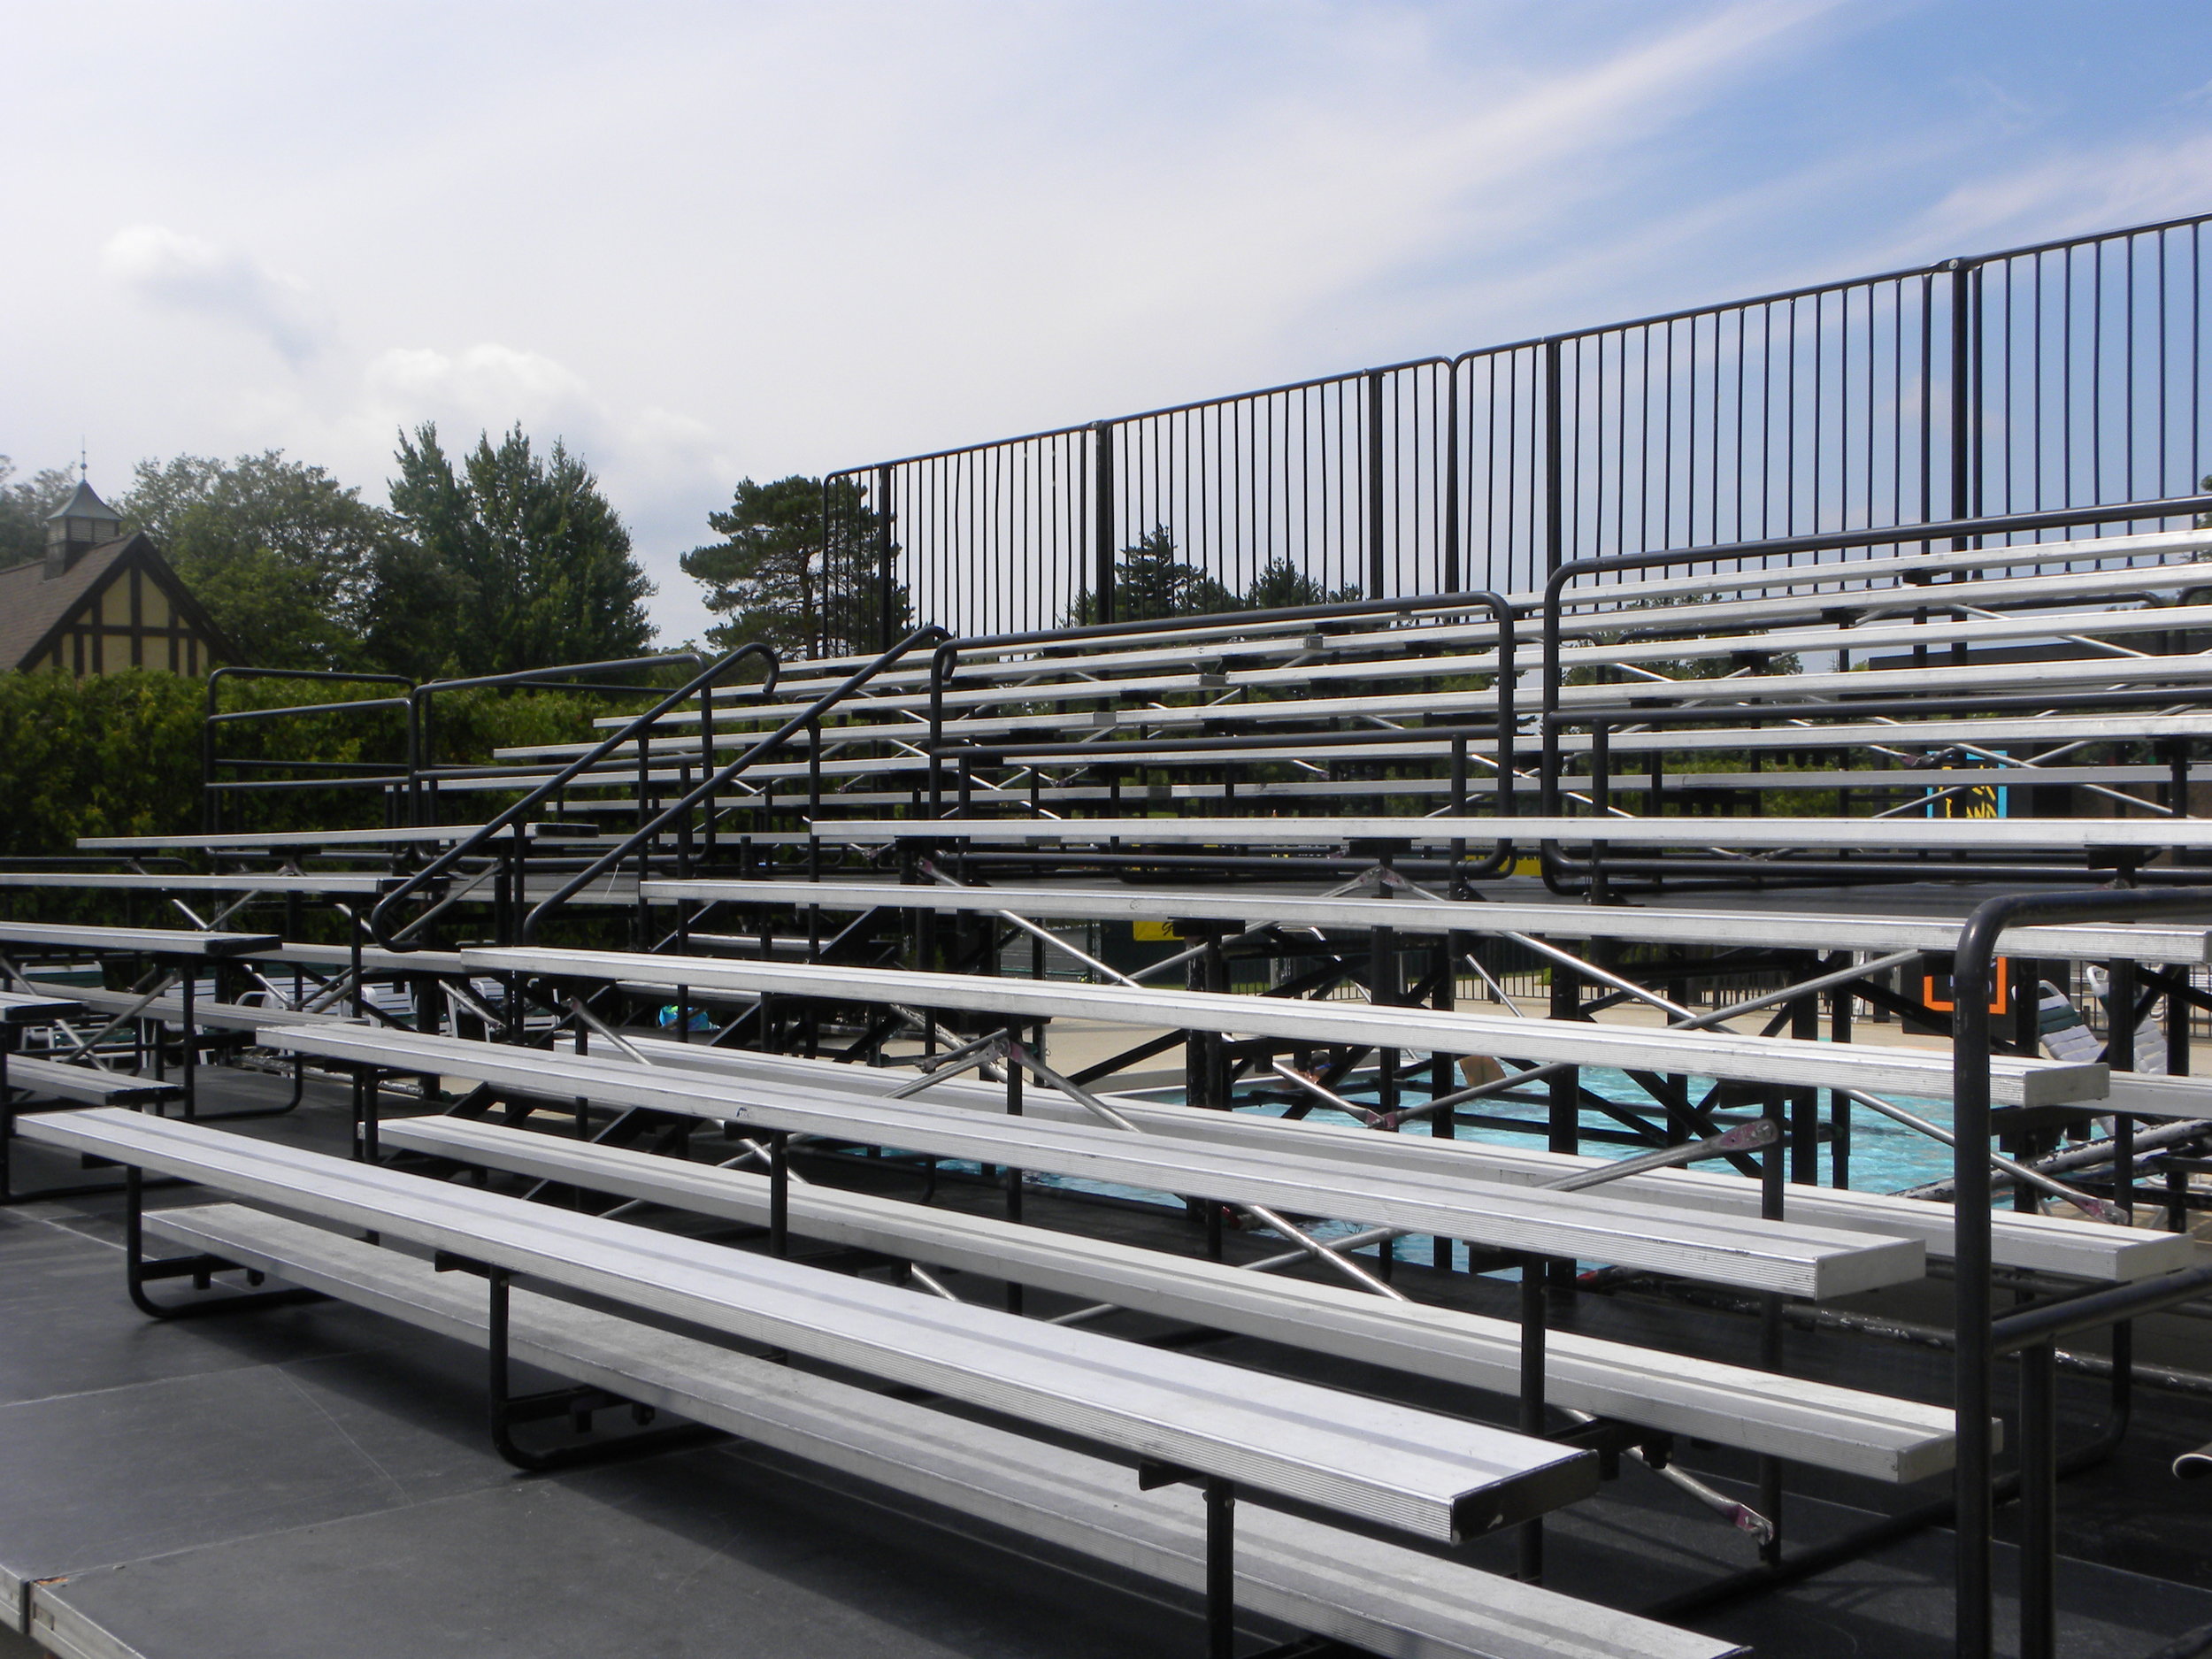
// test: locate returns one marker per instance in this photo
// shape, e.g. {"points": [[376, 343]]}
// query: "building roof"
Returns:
{"points": [[82, 503], [34, 605]]}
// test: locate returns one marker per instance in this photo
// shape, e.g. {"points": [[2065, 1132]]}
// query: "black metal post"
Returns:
{"points": [[1103, 522], [1554, 523], [1772, 1184], [1221, 1568], [887, 612], [191, 1057], [1014, 1057], [1376, 578], [1531, 1537], [779, 1192], [2039, 1501]]}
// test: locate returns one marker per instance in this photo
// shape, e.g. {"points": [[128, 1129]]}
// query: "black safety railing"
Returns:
{"points": [[297, 775], [1565, 874], [2066, 374], [677, 811], [384, 919], [2032, 1333], [1495, 735], [576, 677]]}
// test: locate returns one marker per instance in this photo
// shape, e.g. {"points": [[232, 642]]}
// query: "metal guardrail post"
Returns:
{"points": [[1103, 522], [1965, 410], [1555, 525], [1378, 579], [886, 613]]}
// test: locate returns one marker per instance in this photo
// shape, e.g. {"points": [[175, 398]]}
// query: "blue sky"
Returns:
{"points": [[703, 241]]}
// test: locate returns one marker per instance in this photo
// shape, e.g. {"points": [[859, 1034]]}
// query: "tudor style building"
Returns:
{"points": [[101, 601]]}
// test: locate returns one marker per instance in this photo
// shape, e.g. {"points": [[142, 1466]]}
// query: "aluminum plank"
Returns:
{"points": [[159, 941], [1796, 930], [2064, 588], [2073, 834], [359, 884], [1915, 1071], [1722, 694], [55, 1081], [2139, 545], [1788, 1256], [2054, 1244], [1375, 1595], [410, 836], [375, 958], [206, 1011], [38, 1008], [1439, 1478], [2038, 729], [1815, 1423]]}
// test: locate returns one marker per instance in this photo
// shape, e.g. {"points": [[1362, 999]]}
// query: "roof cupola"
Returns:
{"points": [[82, 522]]}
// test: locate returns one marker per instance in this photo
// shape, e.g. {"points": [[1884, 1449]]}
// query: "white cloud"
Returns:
{"points": [[699, 241], [489, 386], [2081, 189], [190, 273]]}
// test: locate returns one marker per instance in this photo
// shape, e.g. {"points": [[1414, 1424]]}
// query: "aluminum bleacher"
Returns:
{"points": [[1335, 959], [1183, 1417]]}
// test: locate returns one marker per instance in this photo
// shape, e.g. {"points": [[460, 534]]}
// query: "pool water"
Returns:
{"points": [[1885, 1157]]}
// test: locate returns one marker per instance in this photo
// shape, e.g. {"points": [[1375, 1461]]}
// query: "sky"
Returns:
{"points": [[705, 240]]}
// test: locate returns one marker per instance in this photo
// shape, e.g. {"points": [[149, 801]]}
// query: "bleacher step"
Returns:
{"points": [[1374, 1594]]}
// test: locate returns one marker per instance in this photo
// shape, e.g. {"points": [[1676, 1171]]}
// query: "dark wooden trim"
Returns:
{"points": [[194, 626]]}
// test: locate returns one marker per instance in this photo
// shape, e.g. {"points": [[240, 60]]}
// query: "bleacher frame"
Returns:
{"points": [[842, 884]]}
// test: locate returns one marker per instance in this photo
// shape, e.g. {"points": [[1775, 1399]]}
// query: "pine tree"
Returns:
{"points": [[799, 567], [513, 561]]}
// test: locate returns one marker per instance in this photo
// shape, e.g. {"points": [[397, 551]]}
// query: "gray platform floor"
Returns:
{"points": [[316, 1480]]}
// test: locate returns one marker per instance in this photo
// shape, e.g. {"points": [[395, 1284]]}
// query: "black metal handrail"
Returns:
{"points": [[381, 918], [944, 664], [706, 789], [1980, 1336], [423, 774], [1949, 530], [209, 818]]}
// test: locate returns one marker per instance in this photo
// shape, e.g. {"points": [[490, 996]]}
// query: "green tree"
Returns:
{"points": [[513, 560], [799, 567], [23, 509], [1282, 585], [280, 552], [1152, 583]]}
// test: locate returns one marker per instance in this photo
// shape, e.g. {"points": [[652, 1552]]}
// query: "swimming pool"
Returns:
{"points": [[1885, 1157]]}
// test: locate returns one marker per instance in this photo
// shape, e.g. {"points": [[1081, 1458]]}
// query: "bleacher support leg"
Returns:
{"points": [[1221, 1569], [1014, 1075], [2038, 1501], [1442, 1078], [505, 1409], [1771, 1185], [1531, 1538], [779, 1192], [201, 1269], [1839, 1011], [1220, 1495], [192, 1060], [1565, 1088], [7, 1123]]}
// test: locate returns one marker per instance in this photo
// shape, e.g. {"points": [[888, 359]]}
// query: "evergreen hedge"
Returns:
{"points": [[119, 754]]}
